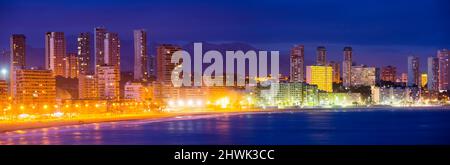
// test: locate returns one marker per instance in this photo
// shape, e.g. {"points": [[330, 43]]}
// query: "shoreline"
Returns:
{"points": [[6, 126]]}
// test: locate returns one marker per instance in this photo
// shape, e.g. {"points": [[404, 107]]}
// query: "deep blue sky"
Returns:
{"points": [[382, 32]]}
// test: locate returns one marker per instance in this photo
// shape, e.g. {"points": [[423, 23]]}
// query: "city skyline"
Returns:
{"points": [[392, 36]]}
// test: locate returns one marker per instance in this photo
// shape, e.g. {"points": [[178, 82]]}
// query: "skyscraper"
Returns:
{"points": [[413, 71], [321, 56], [55, 51], [87, 86], [140, 55], [84, 52], [433, 74], [320, 76], [17, 59], [99, 46], [336, 71], [163, 63], [112, 50], [3, 91], [389, 73], [297, 71], [347, 67], [444, 75], [18, 48]]}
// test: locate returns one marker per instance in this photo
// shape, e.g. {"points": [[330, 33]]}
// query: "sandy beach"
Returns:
{"points": [[8, 126]]}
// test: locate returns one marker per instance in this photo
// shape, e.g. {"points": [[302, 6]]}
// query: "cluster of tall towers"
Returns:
{"points": [[437, 77], [106, 65], [297, 64]]}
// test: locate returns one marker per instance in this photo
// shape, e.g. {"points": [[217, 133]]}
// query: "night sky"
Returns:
{"points": [[381, 32]]}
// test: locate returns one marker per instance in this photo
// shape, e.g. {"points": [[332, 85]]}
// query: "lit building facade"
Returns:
{"points": [[108, 81], [347, 67], [112, 49], [433, 74], [444, 73], [134, 91], [297, 68], [336, 71], [87, 86], [99, 46], [18, 48], [71, 66], [389, 73], [35, 86], [363, 76], [139, 92], [395, 95], [140, 55], [55, 52], [84, 52], [322, 76], [3, 91], [339, 99], [152, 67], [423, 80], [17, 58], [413, 71]]}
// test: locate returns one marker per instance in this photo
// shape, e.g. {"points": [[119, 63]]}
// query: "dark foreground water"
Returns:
{"points": [[370, 127]]}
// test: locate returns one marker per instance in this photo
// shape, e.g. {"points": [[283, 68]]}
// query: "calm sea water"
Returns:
{"points": [[368, 127]]}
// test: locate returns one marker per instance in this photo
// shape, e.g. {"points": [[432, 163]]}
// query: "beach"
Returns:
{"points": [[8, 126]]}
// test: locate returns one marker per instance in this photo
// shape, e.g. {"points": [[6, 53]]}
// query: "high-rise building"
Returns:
{"points": [[363, 76], [322, 76], [17, 58], [336, 71], [71, 65], [140, 55], [3, 92], [87, 86], [413, 71], [55, 51], [99, 46], [297, 70], [163, 63], [433, 74], [389, 73], [18, 48], [347, 67], [84, 52], [321, 56], [108, 82], [444, 73], [423, 80], [34, 86], [112, 49]]}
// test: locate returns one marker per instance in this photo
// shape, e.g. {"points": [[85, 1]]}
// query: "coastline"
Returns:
{"points": [[6, 126]]}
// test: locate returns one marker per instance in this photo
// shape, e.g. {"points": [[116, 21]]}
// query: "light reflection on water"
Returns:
{"points": [[330, 127]]}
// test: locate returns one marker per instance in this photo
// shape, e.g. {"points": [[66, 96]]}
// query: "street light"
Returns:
{"points": [[4, 73]]}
